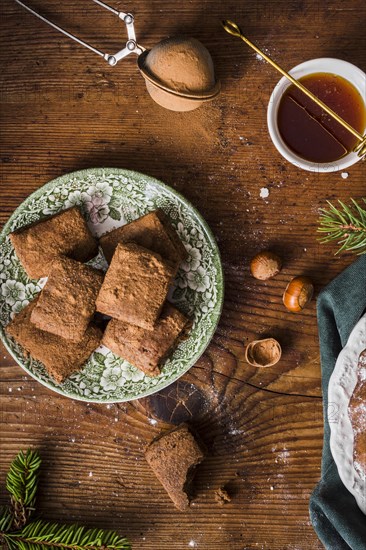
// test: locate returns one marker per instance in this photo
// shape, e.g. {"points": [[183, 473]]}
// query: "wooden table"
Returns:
{"points": [[64, 109]]}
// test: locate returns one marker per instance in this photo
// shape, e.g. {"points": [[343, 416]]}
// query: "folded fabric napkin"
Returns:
{"points": [[336, 518]]}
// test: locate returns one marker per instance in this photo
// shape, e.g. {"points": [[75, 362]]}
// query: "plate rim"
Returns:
{"points": [[221, 286], [355, 339]]}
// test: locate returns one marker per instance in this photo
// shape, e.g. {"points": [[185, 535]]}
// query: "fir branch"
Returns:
{"points": [[41, 535], [21, 482], [17, 534], [346, 225]]}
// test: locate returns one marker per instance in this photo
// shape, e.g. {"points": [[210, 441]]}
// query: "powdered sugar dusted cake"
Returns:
{"points": [[357, 414], [346, 413]]}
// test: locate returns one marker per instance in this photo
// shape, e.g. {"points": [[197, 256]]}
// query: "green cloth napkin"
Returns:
{"points": [[336, 518]]}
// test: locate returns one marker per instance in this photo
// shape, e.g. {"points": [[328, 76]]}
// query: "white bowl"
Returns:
{"points": [[350, 72]]}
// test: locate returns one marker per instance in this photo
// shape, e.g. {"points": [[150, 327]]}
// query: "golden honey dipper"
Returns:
{"points": [[233, 29]]}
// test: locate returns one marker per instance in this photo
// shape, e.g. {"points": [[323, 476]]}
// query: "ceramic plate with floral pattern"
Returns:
{"points": [[108, 198]]}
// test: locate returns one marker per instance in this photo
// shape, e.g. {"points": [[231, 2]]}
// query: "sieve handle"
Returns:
{"points": [[131, 45]]}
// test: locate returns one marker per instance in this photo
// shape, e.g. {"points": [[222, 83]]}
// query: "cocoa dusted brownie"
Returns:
{"points": [[152, 231], [135, 286], [173, 235], [65, 234], [60, 357], [146, 349], [173, 456], [67, 302]]}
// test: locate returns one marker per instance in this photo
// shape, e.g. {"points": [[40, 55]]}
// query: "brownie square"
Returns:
{"points": [[173, 456], [67, 302], [152, 231], [135, 286], [60, 357], [146, 349], [39, 244], [173, 235]]}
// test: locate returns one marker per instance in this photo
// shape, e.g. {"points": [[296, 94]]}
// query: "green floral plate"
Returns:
{"points": [[110, 197]]}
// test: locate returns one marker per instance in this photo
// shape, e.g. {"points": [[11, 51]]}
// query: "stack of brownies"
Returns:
{"points": [[144, 258], [59, 327]]}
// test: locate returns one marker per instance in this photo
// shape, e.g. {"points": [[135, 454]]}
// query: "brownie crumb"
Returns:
{"points": [[222, 496]]}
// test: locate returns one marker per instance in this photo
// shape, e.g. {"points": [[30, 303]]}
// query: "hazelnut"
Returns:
{"points": [[265, 265], [263, 353], [298, 293]]}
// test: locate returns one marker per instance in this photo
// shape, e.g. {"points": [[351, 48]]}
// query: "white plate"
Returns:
{"points": [[341, 387]]}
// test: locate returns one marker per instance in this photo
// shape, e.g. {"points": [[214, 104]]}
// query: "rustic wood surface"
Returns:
{"points": [[64, 109]]}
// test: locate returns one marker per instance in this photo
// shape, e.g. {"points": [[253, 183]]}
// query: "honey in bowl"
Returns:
{"points": [[308, 130]]}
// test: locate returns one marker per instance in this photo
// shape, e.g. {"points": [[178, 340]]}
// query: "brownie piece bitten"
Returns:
{"points": [[146, 349], [135, 286], [67, 302], [60, 357], [357, 414], [173, 456], [152, 231], [39, 244]]}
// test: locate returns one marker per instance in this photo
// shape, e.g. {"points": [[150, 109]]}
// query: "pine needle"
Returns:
{"points": [[345, 225], [6, 519]]}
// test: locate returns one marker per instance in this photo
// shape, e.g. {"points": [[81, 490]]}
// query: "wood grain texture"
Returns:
{"points": [[63, 109]]}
